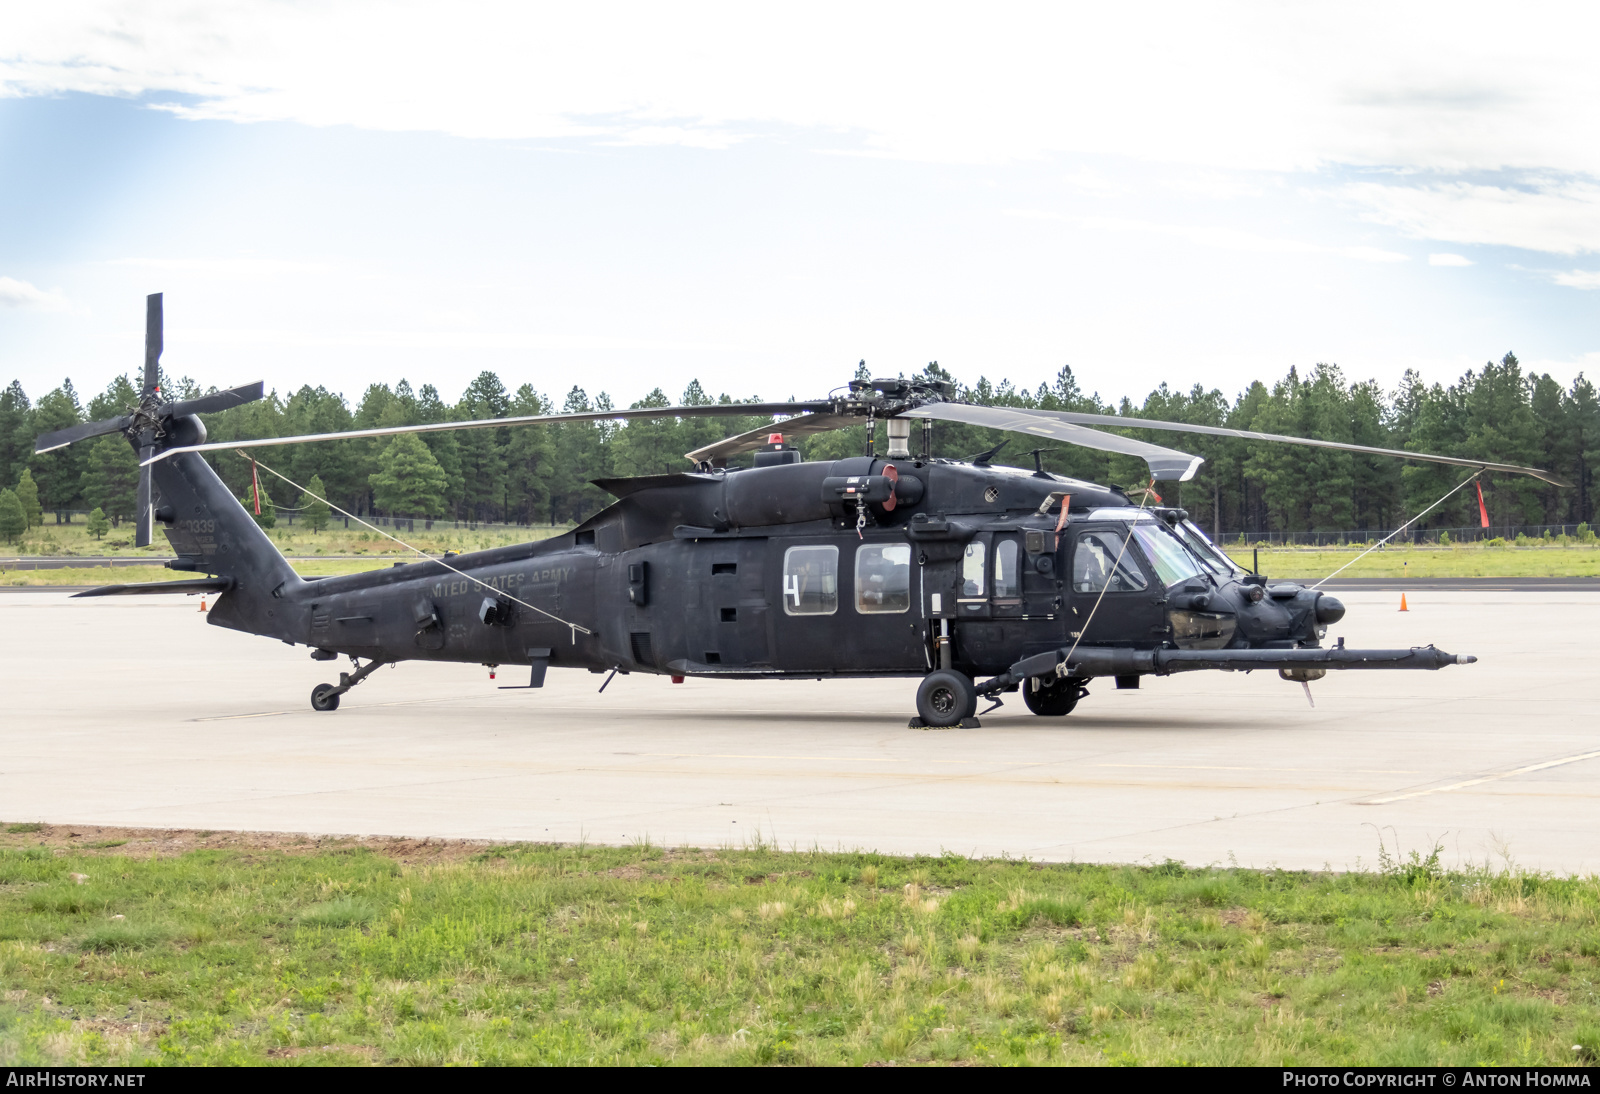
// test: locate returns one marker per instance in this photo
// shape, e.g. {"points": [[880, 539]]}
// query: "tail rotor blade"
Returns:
{"points": [[63, 437], [152, 342], [221, 400], [144, 510]]}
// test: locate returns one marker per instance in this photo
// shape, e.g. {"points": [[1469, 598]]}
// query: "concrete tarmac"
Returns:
{"points": [[132, 711]]}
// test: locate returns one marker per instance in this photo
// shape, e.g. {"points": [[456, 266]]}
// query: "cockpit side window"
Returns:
{"points": [[1007, 574], [1095, 565], [972, 570]]}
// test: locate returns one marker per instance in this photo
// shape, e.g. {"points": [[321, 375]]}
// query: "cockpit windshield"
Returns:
{"points": [[1215, 558], [1166, 553]]}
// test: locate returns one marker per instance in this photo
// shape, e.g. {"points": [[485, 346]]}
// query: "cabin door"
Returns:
{"points": [[849, 605], [1107, 568]]}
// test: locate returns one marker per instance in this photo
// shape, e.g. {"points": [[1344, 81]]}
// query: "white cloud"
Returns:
{"points": [[1555, 216], [1449, 260], [1577, 279], [1226, 85], [1233, 239], [433, 340], [224, 267], [1223, 89], [20, 294]]}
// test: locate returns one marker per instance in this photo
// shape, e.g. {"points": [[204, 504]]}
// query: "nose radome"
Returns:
{"points": [[1330, 609]]}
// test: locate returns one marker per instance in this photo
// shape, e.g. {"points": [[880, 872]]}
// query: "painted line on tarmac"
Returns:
{"points": [[279, 713], [1483, 779], [1273, 770], [999, 763]]}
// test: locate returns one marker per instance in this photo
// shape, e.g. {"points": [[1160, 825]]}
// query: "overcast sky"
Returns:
{"points": [[623, 196]]}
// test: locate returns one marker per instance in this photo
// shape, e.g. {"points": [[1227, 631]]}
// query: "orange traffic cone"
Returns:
{"points": [[202, 603], [1403, 603]]}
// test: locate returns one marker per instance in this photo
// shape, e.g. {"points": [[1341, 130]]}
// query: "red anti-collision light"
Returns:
{"points": [[774, 438]]}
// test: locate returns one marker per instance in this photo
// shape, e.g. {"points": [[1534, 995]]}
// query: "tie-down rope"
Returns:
{"points": [[1400, 529], [575, 628]]}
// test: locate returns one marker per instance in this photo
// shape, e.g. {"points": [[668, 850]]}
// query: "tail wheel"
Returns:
{"points": [[1054, 696], [324, 697], [945, 698]]}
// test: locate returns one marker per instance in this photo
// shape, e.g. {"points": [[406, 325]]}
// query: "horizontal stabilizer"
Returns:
{"points": [[190, 585]]}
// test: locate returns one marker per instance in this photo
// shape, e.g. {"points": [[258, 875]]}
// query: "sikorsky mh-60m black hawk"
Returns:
{"points": [[979, 579]]}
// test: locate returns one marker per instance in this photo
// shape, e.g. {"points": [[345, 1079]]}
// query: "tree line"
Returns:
{"points": [[542, 474]]}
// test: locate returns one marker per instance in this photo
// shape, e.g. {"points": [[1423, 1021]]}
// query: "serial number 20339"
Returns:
{"points": [[197, 525]]}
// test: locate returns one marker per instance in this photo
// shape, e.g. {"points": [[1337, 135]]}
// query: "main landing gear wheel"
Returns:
{"points": [[945, 698], [1054, 697], [324, 697]]}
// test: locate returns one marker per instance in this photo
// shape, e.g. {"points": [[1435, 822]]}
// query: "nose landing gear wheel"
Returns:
{"points": [[324, 697], [945, 698], [1054, 698]]}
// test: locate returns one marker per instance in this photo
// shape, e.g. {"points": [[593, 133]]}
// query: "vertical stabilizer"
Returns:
{"points": [[212, 534]]}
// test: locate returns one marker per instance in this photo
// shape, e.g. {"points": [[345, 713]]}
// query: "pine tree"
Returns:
{"points": [[268, 517], [98, 524], [111, 477], [409, 480], [16, 432], [315, 511], [58, 473], [12, 520], [28, 495]]}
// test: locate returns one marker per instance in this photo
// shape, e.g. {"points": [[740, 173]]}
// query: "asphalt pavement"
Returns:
{"points": [[132, 711]]}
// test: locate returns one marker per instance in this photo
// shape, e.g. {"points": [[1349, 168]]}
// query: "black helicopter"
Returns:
{"points": [[979, 579]]}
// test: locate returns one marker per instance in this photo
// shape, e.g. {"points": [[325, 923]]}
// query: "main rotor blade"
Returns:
{"points": [[1250, 435], [1165, 464], [152, 342], [712, 410], [49, 442], [803, 426], [217, 400]]}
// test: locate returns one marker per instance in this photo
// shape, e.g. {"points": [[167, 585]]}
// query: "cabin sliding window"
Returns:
{"points": [[811, 580], [1007, 576], [883, 577], [972, 571], [1095, 564]]}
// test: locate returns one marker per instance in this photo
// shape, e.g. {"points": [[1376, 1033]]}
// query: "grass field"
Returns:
{"points": [[1309, 563], [125, 947], [73, 540], [133, 575]]}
